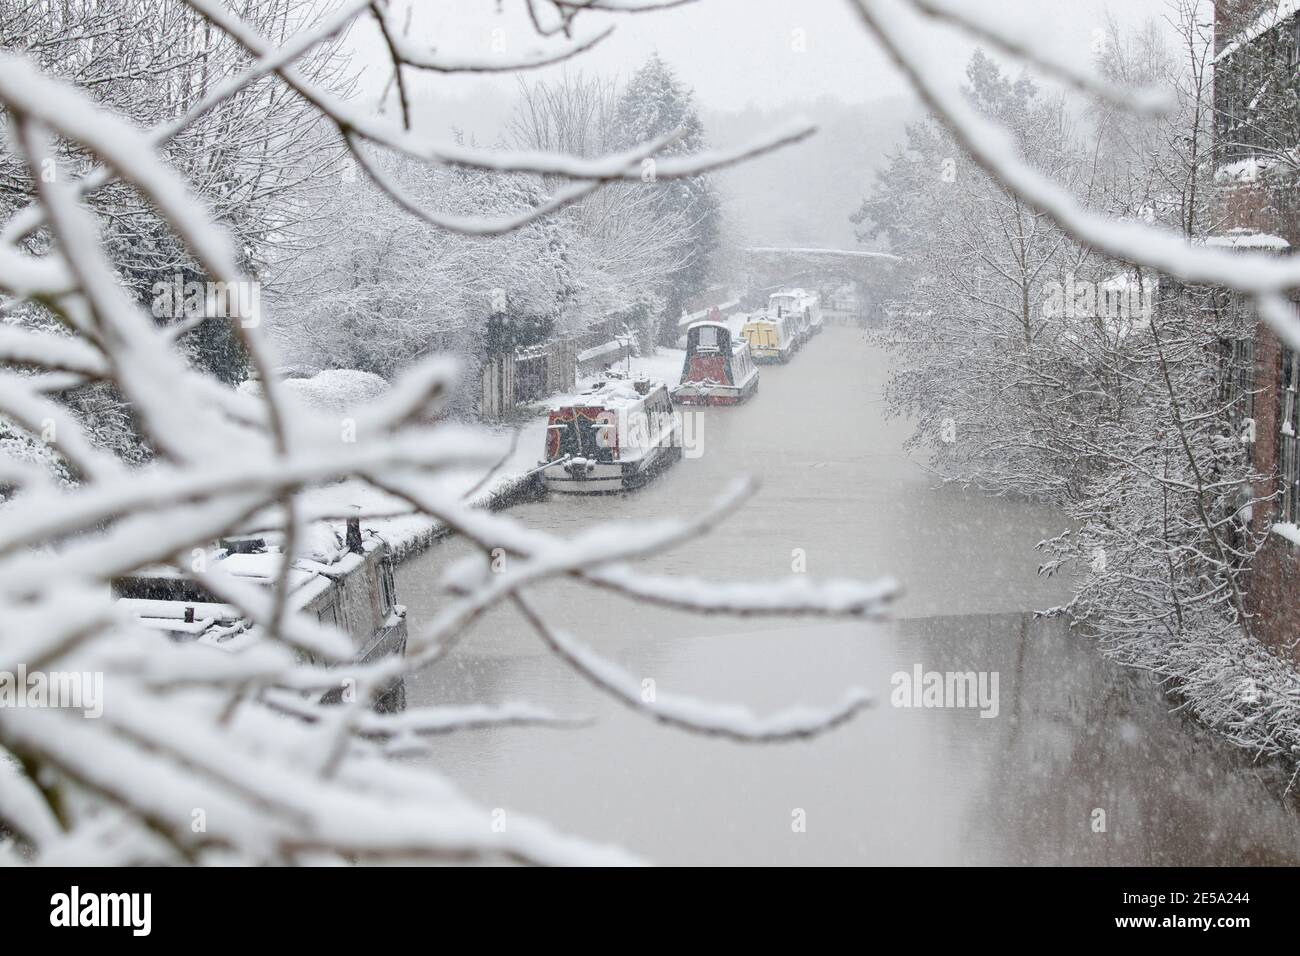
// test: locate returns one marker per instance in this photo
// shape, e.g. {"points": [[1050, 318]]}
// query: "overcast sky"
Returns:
{"points": [[734, 53]]}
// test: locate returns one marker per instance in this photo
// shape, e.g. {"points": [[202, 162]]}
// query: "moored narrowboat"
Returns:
{"points": [[614, 437], [769, 337], [802, 309], [718, 369], [345, 581]]}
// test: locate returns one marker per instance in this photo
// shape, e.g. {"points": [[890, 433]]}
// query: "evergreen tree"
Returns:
{"points": [[655, 103]]}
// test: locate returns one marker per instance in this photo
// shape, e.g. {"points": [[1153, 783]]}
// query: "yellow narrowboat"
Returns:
{"points": [[769, 338]]}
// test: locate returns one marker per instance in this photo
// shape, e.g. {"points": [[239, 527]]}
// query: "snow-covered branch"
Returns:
{"points": [[1267, 277], [243, 738]]}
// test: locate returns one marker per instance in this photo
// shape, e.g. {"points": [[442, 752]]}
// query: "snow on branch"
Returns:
{"points": [[1147, 102], [55, 353], [797, 596], [597, 557], [432, 721], [407, 52], [31, 217], [712, 719], [22, 806], [351, 120], [283, 776], [1263, 276], [38, 415]]}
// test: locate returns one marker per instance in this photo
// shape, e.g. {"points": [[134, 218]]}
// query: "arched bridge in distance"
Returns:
{"points": [[846, 278]]}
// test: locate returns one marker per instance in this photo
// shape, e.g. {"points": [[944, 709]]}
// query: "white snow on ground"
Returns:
{"points": [[332, 390], [664, 365], [605, 348]]}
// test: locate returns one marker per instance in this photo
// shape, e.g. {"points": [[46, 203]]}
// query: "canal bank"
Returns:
{"points": [[511, 482], [1073, 735]]}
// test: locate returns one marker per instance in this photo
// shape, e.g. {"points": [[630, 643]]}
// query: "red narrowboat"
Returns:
{"points": [[615, 437], [718, 370]]}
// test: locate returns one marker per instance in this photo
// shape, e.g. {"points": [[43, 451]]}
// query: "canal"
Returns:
{"points": [[1084, 763]]}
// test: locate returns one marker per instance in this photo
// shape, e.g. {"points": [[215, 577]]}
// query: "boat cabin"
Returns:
{"points": [[801, 308], [614, 437], [344, 581], [770, 338], [718, 369]]}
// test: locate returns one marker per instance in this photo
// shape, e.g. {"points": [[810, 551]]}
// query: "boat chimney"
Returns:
{"points": [[189, 615], [354, 536]]}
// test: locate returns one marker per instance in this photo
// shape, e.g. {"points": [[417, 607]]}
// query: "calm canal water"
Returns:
{"points": [[1074, 734]]}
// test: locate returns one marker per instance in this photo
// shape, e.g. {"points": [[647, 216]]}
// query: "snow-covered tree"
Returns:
{"points": [[1163, 535], [1118, 390], [277, 776], [990, 377], [625, 240], [383, 289], [653, 104], [255, 158], [248, 742]]}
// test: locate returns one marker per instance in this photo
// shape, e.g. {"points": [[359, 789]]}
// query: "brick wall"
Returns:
{"points": [[1268, 206], [1274, 586]]}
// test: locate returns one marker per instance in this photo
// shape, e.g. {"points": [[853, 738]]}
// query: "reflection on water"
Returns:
{"points": [[1074, 734]]}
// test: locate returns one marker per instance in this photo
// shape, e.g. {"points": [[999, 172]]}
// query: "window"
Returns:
{"points": [[387, 588], [563, 439], [592, 435], [1243, 378], [708, 337], [1288, 452], [1237, 390]]}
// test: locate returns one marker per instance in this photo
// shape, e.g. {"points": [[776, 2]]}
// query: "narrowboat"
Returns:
{"points": [[802, 308], [614, 437], [718, 370], [343, 581], [769, 338]]}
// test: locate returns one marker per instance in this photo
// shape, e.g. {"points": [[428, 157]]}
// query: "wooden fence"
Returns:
{"points": [[526, 375]]}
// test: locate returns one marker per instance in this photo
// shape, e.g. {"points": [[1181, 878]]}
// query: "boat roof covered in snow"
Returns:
{"points": [[611, 394], [698, 337], [164, 599]]}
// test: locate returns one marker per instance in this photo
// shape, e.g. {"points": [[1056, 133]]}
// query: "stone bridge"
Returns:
{"points": [[846, 278]]}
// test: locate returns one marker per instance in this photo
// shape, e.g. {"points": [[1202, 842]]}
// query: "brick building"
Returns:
{"points": [[1257, 150]]}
